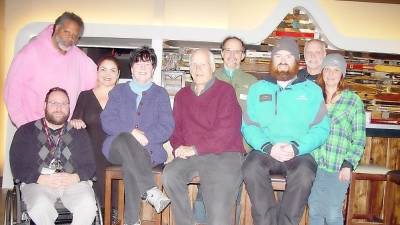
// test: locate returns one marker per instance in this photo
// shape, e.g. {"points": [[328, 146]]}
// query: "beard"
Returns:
{"points": [[62, 45], [284, 75], [55, 120]]}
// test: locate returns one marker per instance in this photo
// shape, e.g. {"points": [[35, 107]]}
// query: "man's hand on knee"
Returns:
{"points": [[185, 151]]}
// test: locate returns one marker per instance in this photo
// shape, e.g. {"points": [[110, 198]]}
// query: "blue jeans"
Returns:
{"points": [[326, 199]]}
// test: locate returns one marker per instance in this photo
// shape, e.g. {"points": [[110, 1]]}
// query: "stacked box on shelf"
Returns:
{"points": [[177, 71], [377, 83]]}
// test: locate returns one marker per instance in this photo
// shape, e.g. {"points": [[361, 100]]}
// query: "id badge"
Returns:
{"points": [[56, 164], [47, 171]]}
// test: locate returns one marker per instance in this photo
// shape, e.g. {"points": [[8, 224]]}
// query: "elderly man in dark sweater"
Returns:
{"points": [[54, 161], [207, 142]]}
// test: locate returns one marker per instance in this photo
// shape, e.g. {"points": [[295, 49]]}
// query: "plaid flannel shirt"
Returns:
{"points": [[347, 136]]}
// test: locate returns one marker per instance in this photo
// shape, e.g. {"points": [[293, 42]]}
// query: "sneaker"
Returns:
{"points": [[158, 199]]}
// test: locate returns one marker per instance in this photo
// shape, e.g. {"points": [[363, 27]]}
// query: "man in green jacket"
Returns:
{"points": [[286, 119], [233, 52]]}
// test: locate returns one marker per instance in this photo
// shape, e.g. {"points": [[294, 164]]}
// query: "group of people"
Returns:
{"points": [[226, 128]]}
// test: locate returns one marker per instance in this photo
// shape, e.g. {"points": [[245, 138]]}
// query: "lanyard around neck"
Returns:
{"points": [[54, 145]]}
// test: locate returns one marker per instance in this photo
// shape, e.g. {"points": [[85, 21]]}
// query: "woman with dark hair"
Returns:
{"points": [[87, 114], [343, 148], [138, 120]]}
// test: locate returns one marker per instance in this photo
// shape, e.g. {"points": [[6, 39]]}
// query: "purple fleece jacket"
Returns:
{"points": [[153, 116]]}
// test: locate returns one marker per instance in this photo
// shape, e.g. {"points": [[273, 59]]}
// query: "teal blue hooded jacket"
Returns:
{"points": [[296, 114]]}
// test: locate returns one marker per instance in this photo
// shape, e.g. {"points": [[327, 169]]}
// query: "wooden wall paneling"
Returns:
{"points": [[379, 151], [365, 159], [379, 156], [394, 163], [394, 153], [359, 205]]}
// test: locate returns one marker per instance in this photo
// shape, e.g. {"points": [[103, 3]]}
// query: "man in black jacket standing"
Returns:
{"points": [[54, 161]]}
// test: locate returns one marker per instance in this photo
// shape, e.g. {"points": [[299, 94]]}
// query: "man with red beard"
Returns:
{"points": [[285, 120], [54, 161]]}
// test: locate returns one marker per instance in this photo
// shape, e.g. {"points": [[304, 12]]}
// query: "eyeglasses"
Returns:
{"points": [[57, 104], [231, 51]]}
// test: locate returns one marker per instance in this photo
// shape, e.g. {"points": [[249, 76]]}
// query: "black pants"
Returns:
{"points": [[300, 173], [137, 171]]}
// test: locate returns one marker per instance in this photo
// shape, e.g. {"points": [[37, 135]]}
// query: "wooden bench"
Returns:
{"points": [[150, 217], [148, 214]]}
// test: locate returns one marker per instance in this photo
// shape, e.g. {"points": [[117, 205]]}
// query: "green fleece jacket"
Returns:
{"points": [[295, 114], [240, 81]]}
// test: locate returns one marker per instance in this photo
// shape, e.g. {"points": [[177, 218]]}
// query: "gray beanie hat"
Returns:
{"points": [[288, 44], [337, 60]]}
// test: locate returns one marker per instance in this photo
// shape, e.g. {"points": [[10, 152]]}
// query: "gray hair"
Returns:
{"points": [[322, 44], [211, 60], [69, 16]]}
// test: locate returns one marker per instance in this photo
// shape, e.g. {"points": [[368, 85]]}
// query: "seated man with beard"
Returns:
{"points": [[54, 161], [285, 120]]}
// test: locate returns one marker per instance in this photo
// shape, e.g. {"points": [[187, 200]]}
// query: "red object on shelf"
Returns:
{"points": [[355, 66], [294, 34], [394, 97], [384, 121]]}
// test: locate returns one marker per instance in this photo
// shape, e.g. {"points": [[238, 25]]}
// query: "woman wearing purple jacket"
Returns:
{"points": [[138, 120]]}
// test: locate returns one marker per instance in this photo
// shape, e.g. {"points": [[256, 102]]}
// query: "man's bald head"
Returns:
{"points": [[202, 66]]}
